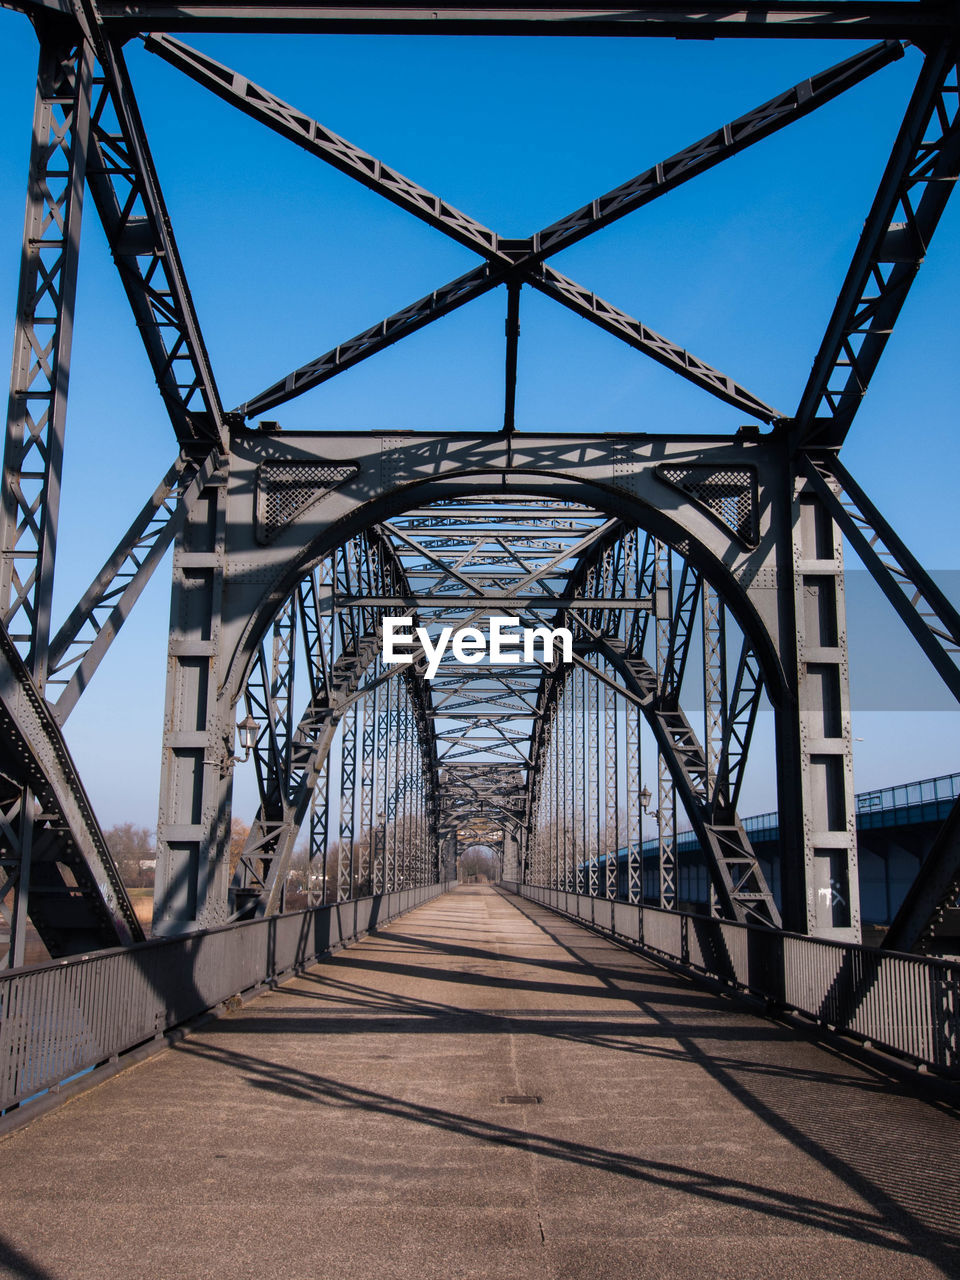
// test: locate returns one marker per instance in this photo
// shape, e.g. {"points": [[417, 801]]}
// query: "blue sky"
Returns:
{"points": [[286, 258]]}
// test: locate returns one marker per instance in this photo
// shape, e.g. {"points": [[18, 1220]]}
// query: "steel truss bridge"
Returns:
{"points": [[691, 571]]}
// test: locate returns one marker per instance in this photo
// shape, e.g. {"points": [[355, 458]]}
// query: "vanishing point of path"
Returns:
{"points": [[368, 1120]]}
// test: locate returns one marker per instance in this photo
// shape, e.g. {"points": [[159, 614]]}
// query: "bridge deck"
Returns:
{"points": [[361, 1121]]}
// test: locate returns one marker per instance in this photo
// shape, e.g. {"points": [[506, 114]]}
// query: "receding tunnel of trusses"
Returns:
{"points": [[392, 770]]}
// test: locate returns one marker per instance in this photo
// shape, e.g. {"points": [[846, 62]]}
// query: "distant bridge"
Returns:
{"points": [[896, 828]]}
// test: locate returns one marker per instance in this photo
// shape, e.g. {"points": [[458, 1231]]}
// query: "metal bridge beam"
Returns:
{"points": [[750, 19], [524, 258], [58, 870], [198, 731], [82, 642], [815, 748], [511, 261], [126, 190], [36, 417], [77, 901]]}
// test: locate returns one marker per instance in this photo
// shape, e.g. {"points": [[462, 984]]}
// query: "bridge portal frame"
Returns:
{"points": [[793, 560]]}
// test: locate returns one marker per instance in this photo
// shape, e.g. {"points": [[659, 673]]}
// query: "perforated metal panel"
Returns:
{"points": [[728, 493], [286, 489]]}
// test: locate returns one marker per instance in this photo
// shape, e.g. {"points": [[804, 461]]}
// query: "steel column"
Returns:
{"points": [[198, 733], [816, 805]]}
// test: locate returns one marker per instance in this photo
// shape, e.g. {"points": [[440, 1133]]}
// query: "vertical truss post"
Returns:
{"points": [[632, 790], [592, 783], [579, 783], [348, 791], [611, 772], [367, 766], [36, 420], [20, 880], [393, 788], [560, 769], [552, 764], [557, 809], [416, 874], [547, 803], [410, 773], [283, 660], [542, 835], [319, 835], [636, 578], [197, 767], [403, 782], [815, 765], [37, 409], [549, 767], [569, 785], [667, 834], [422, 851], [714, 681], [666, 795], [512, 329], [714, 695], [381, 788]]}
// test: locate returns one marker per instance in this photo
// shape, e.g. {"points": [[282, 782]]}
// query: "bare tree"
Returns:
{"points": [[134, 851], [238, 838]]}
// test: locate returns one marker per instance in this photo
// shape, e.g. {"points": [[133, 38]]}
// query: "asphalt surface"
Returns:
{"points": [[483, 1089]]}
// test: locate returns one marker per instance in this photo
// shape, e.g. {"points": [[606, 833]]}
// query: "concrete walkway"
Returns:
{"points": [[368, 1120]]}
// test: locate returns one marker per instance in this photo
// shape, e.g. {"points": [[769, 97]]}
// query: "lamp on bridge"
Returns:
{"points": [[645, 798], [248, 729]]}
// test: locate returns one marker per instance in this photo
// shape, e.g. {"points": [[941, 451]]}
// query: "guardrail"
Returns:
{"points": [[60, 1019], [908, 1006]]}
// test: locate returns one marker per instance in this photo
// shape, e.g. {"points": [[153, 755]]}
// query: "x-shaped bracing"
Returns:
{"points": [[509, 261]]}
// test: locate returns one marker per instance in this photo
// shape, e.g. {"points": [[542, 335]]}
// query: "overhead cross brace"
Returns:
{"points": [[513, 259], [282, 118]]}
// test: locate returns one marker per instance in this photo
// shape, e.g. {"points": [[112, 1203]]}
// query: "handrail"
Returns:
{"points": [[904, 1004], [66, 1017]]}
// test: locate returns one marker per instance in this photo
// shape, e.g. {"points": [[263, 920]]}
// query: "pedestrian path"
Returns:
{"points": [[484, 1089]]}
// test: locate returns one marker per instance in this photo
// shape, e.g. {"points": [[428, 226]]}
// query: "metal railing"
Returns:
{"points": [[60, 1019], [906, 1005]]}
